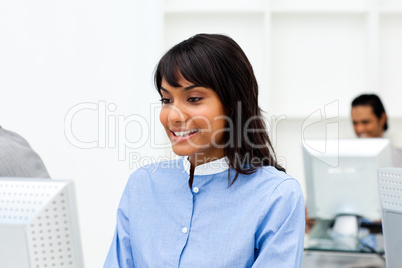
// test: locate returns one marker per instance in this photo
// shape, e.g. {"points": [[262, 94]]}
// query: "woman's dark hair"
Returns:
{"points": [[374, 102], [217, 62]]}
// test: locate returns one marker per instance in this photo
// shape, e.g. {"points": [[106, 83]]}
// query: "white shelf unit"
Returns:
{"points": [[306, 54]]}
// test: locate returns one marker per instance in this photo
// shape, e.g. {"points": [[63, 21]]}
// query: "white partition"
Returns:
{"points": [[313, 4], [391, 61], [392, 4], [314, 58], [306, 53], [390, 190]]}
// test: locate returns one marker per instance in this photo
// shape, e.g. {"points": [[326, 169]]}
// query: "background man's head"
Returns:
{"points": [[368, 116]]}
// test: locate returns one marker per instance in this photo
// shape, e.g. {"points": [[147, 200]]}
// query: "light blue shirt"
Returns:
{"points": [[161, 222]]}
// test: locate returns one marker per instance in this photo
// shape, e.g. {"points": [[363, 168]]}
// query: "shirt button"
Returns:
{"points": [[196, 190], [184, 230]]}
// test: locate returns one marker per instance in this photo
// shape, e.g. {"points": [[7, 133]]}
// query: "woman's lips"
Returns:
{"points": [[183, 135]]}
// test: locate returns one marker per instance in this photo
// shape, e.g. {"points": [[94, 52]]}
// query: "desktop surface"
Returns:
{"points": [[323, 250], [321, 238], [327, 259]]}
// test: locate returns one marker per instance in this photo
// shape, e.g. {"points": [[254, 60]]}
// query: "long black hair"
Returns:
{"points": [[217, 62]]}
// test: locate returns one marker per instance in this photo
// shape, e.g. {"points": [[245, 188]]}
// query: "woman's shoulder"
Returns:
{"points": [[273, 174], [270, 178], [279, 188]]}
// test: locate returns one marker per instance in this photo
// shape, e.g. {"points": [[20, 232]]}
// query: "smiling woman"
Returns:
{"points": [[193, 117], [226, 202]]}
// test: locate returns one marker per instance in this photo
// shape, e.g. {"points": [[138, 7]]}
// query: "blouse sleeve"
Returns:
{"points": [[280, 236], [119, 255]]}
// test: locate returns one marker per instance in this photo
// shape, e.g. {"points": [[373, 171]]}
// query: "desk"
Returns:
{"points": [[322, 250], [327, 259]]}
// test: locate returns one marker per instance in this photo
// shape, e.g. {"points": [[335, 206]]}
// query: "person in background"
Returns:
{"points": [[368, 116], [18, 159], [370, 121]]}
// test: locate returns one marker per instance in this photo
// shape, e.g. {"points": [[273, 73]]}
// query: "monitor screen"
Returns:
{"points": [[341, 176], [390, 186], [38, 224]]}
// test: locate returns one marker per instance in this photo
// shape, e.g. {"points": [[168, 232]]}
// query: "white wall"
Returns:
{"points": [[98, 57], [55, 55]]}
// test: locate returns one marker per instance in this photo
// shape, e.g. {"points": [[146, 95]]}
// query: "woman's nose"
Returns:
{"points": [[176, 114]]}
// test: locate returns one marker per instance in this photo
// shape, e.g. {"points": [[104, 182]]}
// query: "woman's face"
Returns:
{"points": [[194, 119]]}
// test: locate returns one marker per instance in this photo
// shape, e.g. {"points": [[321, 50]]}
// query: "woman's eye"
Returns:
{"points": [[194, 99], [166, 101]]}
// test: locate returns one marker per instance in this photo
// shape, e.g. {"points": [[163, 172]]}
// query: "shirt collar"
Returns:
{"points": [[209, 168]]}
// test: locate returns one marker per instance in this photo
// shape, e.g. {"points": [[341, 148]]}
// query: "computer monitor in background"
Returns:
{"points": [[341, 176], [390, 187], [38, 224]]}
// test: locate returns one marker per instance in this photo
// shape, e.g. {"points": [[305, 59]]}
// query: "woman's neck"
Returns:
{"points": [[197, 160]]}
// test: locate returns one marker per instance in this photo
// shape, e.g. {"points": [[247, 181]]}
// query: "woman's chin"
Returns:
{"points": [[183, 151]]}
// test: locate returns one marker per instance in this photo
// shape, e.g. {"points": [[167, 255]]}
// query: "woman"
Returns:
{"points": [[226, 202]]}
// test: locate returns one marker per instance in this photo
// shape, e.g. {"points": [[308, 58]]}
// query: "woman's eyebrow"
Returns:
{"points": [[184, 89], [163, 89], [190, 87]]}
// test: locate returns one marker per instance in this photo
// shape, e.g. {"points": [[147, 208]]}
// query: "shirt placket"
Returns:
{"points": [[186, 227]]}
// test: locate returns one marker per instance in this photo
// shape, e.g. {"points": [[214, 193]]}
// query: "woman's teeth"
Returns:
{"points": [[184, 133]]}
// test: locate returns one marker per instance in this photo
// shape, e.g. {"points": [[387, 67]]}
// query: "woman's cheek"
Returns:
{"points": [[163, 116]]}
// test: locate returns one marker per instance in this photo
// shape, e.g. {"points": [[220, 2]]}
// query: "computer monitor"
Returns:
{"points": [[38, 224], [341, 176], [390, 187]]}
